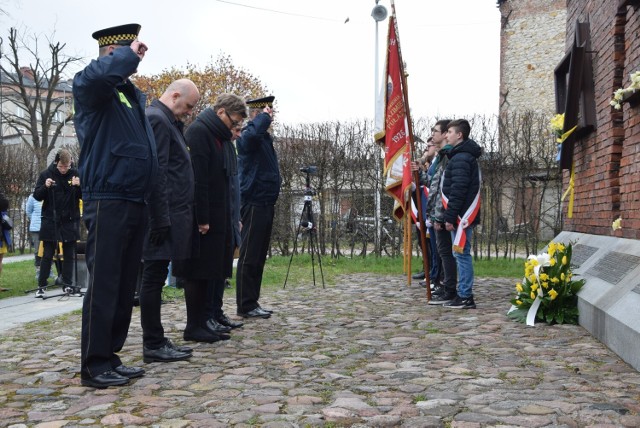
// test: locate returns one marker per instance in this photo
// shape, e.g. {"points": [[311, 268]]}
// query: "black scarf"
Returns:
{"points": [[222, 133]]}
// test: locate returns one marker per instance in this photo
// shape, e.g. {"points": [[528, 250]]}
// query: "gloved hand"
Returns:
{"points": [[158, 236]]}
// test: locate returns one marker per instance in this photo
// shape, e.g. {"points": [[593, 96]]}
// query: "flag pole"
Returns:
{"points": [[416, 178]]}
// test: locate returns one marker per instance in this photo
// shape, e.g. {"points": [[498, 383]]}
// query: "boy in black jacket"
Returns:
{"points": [[461, 198]]}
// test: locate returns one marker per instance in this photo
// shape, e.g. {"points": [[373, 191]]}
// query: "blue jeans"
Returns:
{"points": [[464, 264], [435, 262]]}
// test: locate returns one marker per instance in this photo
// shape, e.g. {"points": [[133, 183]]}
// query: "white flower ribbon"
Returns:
{"points": [[533, 310], [543, 261]]}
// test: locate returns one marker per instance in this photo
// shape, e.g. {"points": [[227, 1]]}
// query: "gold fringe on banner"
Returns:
{"points": [[406, 253]]}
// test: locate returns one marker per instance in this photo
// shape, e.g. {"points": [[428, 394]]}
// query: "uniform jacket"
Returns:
{"points": [[258, 163], [171, 202], [33, 210], [461, 180], [205, 138], [118, 153], [60, 205]]}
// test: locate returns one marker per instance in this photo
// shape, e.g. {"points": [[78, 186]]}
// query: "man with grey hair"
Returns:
{"points": [[203, 275], [170, 215]]}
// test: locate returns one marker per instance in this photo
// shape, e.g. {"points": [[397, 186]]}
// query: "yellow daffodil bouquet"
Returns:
{"points": [[547, 292], [556, 124]]}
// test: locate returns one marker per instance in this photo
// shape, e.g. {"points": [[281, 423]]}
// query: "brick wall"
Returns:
{"points": [[532, 44], [607, 182]]}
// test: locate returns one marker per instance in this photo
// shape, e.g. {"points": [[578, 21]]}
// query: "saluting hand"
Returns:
{"points": [[139, 48]]}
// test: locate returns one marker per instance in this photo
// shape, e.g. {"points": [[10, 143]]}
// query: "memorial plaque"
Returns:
{"points": [[614, 266], [581, 253]]}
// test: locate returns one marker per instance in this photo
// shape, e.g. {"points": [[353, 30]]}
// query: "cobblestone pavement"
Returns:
{"points": [[367, 352]]}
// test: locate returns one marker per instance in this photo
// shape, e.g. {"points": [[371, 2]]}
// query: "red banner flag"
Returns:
{"points": [[394, 132]]}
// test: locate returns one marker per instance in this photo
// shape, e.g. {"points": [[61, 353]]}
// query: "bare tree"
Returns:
{"points": [[17, 172], [37, 94]]}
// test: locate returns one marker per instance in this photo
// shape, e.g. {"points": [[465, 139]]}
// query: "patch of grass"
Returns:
{"points": [[301, 268], [20, 276], [498, 268], [418, 398], [431, 329]]}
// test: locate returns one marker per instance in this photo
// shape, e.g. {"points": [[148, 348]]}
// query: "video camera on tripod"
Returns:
{"points": [[307, 225], [309, 191]]}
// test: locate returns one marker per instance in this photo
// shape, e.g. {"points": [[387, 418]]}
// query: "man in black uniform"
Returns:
{"points": [[118, 165], [170, 215], [259, 189]]}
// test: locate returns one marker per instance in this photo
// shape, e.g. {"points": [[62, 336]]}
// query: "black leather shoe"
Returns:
{"points": [[129, 372], [105, 380], [215, 327], [266, 310], [255, 313], [165, 354], [200, 335], [224, 320], [179, 348], [419, 275]]}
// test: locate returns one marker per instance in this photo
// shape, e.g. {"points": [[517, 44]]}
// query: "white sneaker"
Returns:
{"points": [[40, 293]]}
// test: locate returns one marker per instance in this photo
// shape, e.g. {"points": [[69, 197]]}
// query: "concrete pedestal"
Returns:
{"points": [[609, 303]]}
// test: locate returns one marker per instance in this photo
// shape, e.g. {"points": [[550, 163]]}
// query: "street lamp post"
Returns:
{"points": [[379, 13]]}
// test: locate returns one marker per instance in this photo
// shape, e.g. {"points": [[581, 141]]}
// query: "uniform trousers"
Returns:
{"points": [[116, 230], [257, 222]]}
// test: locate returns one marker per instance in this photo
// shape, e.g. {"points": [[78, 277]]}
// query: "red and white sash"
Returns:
{"points": [[469, 216], [414, 209]]}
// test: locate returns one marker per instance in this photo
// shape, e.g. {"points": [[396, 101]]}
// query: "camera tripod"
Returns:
{"points": [[308, 226], [69, 290]]}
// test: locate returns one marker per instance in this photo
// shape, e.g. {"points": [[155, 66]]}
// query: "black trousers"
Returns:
{"points": [[48, 249], [257, 222], [116, 231], [214, 298], [449, 268], [154, 274]]}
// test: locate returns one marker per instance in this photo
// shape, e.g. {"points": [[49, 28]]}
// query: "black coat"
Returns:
{"points": [[461, 180], [60, 205], [171, 202], [206, 138]]}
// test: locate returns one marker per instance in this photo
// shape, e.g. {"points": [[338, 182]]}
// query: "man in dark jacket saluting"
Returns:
{"points": [[461, 200], [259, 189], [170, 215], [118, 165]]}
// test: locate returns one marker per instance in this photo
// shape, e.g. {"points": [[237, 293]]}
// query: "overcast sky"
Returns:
{"points": [[318, 67]]}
